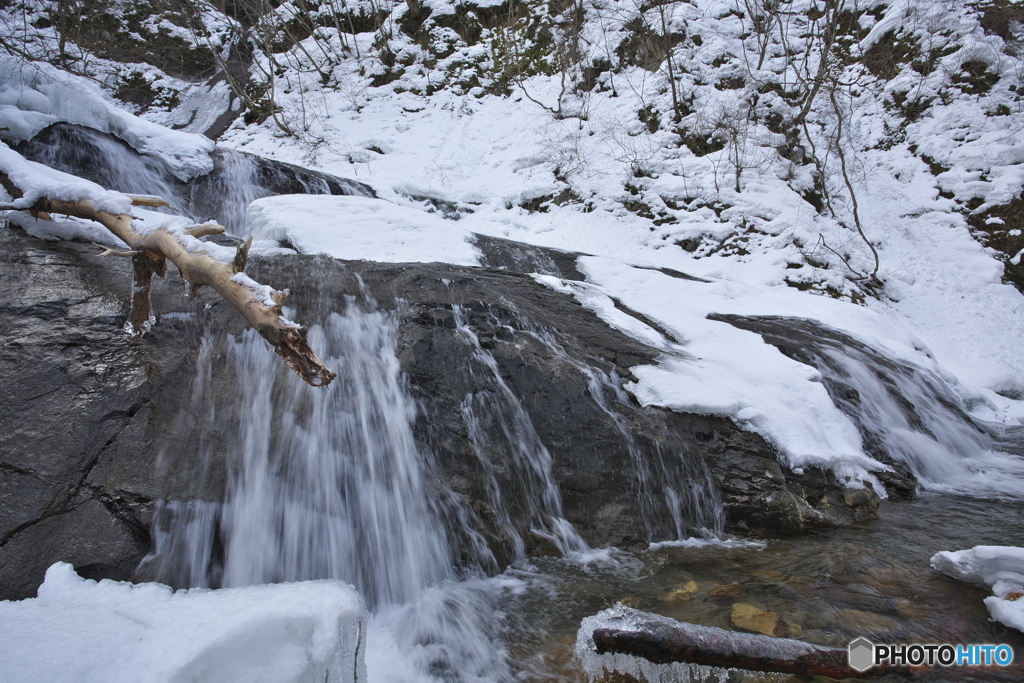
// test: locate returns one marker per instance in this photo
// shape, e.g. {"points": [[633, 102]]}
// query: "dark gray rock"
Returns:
{"points": [[97, 428]]}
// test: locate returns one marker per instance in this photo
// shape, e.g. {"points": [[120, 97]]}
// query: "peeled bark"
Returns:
{"points": [[663, 641], [153, 249]]}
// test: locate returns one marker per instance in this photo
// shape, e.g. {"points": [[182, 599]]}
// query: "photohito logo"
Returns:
{"points": [[863, 654]]}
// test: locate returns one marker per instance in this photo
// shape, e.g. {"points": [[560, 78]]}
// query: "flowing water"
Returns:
{"points": [[907, 415]]}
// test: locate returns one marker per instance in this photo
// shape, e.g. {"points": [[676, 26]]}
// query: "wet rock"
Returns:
{"points": [[80, 433], [684, 593], [760, 495], [527, 258], [91, 537]]}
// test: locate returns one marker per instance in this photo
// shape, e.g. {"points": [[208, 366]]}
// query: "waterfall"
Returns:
{"points": [[322, 484], [676, 494], [913, 417], [500, 428], [907, 415], [666, 481], [331, 484], [222, 195]]}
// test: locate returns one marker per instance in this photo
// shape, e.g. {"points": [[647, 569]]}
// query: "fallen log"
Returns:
{"points": [[664, 641]]}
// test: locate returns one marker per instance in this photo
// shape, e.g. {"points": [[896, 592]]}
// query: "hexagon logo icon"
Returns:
{"points": [[862, 654]]}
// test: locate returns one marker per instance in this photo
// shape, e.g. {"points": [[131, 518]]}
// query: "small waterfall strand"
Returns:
{"points": [[672, 482], [498, 423]]}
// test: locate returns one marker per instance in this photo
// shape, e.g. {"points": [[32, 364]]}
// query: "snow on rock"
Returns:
{"points": [[80, 630], [360, 228], [33, 96], [37, 181], [715, 368], [1000, 568]]}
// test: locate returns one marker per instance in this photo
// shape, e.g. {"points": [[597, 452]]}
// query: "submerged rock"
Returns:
{"points": [[751, 618]]}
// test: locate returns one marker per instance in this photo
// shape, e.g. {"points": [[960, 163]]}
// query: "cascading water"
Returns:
{"points": [[676, 495], [334, 483], [224, 193], [913, 418], [686, 489], [907, 415], [331, 484], [499, 426], [77, 150]]}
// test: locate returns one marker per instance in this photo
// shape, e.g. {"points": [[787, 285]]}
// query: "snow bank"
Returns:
{"points": [[34, 96], [1000, 568], [80, 630], [360, 228]]}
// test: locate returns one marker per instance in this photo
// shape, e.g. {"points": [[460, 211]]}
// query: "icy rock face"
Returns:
{"points": [[83, 631], [224, 192], [1000, 568]]}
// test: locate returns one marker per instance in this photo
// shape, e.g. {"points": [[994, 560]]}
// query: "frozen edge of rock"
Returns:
{"points": [[82, 630], [1000, 568]]}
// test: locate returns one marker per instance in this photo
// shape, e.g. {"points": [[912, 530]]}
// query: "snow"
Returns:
{"points": [[360, 228], [590, 181], [892, 20], [762, 249], [944, 307], [79, 630], [33, 96], [1000, 568], [263, 294]]}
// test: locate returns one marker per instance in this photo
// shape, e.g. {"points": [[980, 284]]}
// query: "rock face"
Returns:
{"points": [[96, 427]]}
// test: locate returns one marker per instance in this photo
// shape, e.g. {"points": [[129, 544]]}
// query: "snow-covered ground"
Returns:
{"points": [[943, 307], [78, 630], [633, 197]]}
